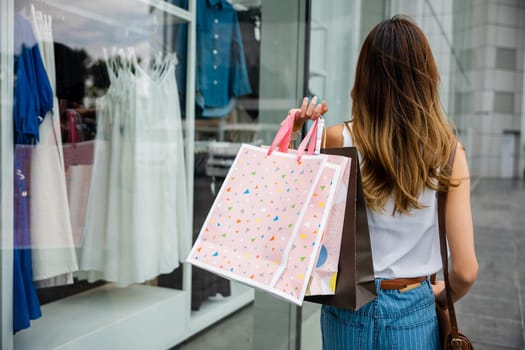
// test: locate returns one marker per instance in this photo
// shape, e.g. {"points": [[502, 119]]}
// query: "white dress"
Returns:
{"points": [[53, 251], [137, 206]]}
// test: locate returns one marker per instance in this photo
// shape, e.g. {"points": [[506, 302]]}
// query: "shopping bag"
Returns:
{"points": [[264, 227], [355, 283], [324, 275]]}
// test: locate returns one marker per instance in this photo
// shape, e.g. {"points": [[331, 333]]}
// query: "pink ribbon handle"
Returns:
{"points": [[310, 140], [284, 135]]}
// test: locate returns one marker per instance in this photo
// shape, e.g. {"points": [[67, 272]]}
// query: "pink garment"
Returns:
{"points": [[74, 122], [78, 153], [78, 160], [78, 178]]}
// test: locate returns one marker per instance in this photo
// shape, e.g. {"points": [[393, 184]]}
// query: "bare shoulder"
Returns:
{"points": [[334, 136]]}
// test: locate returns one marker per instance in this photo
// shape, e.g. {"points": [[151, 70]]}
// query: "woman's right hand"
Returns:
{"points": [[309, 110]]}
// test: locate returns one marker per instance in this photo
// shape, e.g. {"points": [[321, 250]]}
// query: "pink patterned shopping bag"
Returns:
{"points": [[324, 274], [264, 228]]}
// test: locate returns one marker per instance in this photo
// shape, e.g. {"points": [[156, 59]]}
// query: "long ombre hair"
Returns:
{"points": [[398, 122]]}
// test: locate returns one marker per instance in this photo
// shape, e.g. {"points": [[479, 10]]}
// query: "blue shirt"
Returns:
{"points": [[221, 65], [33, 95], [26, 306], [33, 98], [227, 67]]}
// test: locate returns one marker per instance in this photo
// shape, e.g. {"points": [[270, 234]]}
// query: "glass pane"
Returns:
{"points": [[102, 201], [183, 4], [334, 45], [227, 65], [100, 185], [6, 176]]}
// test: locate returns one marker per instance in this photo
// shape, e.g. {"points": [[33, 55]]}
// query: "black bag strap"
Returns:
{"points": [[442, 201]]}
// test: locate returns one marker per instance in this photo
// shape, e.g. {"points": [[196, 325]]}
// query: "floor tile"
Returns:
{"points": [[491, 307], [491, 330], [232, 333], [480, 346], [495, 268], [491, 289]]}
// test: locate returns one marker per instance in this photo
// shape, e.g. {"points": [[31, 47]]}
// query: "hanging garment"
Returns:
{"points": [[221, 64], [33, 95], [78, 162], [221, 73], [33, 99], [26, 306], [137, 204], [53, 252]]}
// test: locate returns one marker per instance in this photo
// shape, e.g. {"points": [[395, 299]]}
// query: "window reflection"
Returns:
{"points": [[101, 188], [100, 179]]}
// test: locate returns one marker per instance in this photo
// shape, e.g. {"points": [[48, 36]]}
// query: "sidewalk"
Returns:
{"points": [[493, 313]]}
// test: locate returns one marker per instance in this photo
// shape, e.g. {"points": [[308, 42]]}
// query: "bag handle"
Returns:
{"points": [[284, 135], [310, 141], [442, 200], [321, 135]]}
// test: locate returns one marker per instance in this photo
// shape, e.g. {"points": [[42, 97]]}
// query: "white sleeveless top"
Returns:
{"points": [[404, 245]]}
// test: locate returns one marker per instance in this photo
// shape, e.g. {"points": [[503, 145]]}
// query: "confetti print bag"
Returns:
{"points": [[355, 285], [264, 228], [324, 275]]}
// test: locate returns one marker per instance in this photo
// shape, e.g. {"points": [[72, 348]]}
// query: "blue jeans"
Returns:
{"points": [[393, 320]]}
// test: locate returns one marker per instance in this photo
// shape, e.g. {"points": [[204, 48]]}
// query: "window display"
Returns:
{"points": [[123, 122], [136, 208], [100, 190], [102, 125], [33, 102], [222, 86]]}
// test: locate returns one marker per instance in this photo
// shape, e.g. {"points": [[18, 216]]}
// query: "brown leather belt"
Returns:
{"points": [[402, 284]]}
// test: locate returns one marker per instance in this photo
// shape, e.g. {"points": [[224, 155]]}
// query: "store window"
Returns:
{"points": [[100, 196], [119, 121]]}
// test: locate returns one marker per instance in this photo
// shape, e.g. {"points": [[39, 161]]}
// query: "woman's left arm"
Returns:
{"points": [[463, 269]]}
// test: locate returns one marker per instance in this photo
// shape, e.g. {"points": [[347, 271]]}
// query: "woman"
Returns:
{"points": [[403, 140]]}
